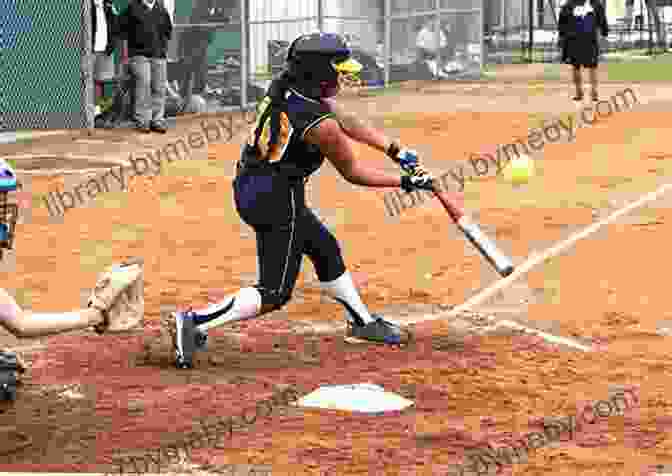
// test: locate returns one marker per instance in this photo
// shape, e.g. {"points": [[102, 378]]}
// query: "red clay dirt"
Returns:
{"points": [[467, 392]]}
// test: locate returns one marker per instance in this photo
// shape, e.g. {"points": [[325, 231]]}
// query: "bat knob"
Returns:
{"points": [[507, 271]]}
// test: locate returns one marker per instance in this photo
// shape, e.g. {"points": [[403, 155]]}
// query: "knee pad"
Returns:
{"points": [[274, 298]]}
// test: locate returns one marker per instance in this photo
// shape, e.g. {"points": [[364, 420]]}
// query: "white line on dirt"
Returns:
{"points": [[496, 324], [538, 258], [544, 335]]}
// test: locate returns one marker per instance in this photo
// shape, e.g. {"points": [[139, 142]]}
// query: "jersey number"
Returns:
{"points": [[284, 134]]}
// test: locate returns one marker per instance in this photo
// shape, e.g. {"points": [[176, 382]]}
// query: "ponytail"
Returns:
{"points": [[278, 88], [276, 93]]}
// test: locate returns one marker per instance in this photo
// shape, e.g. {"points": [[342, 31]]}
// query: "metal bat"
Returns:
{"points": [[472, 231]]}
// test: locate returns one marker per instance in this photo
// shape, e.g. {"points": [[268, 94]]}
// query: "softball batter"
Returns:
{"points": [[298, 126]]}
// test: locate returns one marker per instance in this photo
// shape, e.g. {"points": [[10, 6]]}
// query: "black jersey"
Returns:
{"points": [[299, 115]]}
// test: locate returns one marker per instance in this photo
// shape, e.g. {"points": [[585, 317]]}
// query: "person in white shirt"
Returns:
{"points": [[433, 49]]}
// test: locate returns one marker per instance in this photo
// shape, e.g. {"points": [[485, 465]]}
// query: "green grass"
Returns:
{"points": [[657, 69]]}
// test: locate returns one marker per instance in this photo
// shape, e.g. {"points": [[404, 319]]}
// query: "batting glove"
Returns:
{"points": [[417, 179], [406, 159]]}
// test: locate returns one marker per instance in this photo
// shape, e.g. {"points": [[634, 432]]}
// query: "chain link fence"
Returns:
{"points": [[223, 55], [228, 55], [46, 72], [526, 31]]}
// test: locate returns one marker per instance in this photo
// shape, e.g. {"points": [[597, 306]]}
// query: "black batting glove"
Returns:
{"points": [[417, 179]]}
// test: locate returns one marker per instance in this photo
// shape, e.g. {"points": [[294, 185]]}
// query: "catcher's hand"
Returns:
{"points": [[119, 296]]}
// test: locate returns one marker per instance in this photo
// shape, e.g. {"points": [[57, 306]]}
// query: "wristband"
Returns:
{"points": [[393, 150]]}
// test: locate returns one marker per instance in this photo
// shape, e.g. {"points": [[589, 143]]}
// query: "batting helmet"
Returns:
{"points": [[317, 60]]}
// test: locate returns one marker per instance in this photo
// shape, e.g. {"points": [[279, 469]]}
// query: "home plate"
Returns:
{"points": [[363, 397]]}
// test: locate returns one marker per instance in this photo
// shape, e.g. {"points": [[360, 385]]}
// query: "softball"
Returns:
{"points": [[520, 170]]}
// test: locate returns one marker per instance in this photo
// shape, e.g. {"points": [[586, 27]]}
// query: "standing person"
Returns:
{"points": [[579, 25], [147, 26], [429, 45], [194, 43], [299, 125], [103, 20]]}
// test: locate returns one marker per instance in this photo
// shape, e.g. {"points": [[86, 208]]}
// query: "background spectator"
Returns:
{"points": [[103, 19], [147, 27], [578, 27], [194, 42], [434, 50]]}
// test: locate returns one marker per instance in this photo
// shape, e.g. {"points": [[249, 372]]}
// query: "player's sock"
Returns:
{"points": [[245, 304], [344, 291]]}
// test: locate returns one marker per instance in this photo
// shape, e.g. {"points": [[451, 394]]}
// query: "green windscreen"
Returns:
{"points": [[41, 59]]}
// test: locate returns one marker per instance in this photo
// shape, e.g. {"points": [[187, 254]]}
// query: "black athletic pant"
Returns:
{"points": [[286, 229]]}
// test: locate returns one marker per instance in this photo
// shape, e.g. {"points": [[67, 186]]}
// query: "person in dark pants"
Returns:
{"points": [[298, 126], [579, 25], [103, 19], [147, 26], [194, 42]]}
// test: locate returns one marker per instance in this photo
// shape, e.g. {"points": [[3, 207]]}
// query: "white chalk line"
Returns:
{"points": [[537, 258]]}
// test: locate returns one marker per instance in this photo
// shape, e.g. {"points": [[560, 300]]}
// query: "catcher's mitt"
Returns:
{"points": [[119, 296]]}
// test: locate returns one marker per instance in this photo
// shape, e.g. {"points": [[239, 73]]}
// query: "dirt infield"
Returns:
{"points": [[89, 399]]}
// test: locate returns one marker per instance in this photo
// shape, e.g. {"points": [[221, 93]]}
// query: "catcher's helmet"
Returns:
{"points": [[317, 60], [9, 210]]}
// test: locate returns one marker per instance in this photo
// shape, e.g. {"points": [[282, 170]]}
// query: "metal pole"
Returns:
{"points": [[387, 12], [244, 53], [481, 35], [88, 86], [530, 19], [320, 15], [648, 26], [437, 37]]}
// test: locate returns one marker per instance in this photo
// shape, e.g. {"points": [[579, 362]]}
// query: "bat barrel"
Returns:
{"points": [[473, 232]]}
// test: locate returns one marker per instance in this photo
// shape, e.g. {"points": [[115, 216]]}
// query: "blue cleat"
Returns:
{"points": [[378, 331], [187, 338]]}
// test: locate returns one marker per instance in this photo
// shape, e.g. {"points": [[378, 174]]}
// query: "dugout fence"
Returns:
{"points": [[239, 47], [227, 52], [45, 82]]}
